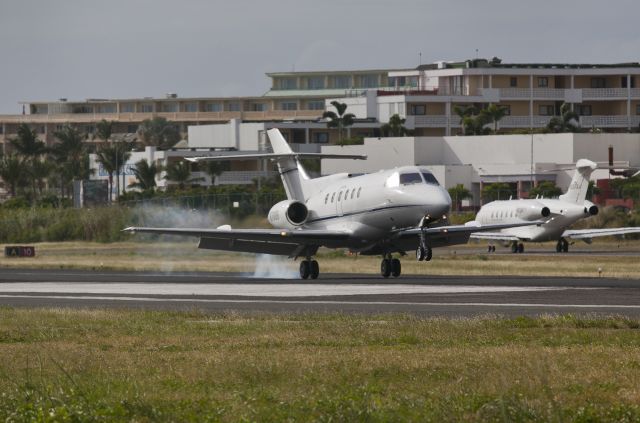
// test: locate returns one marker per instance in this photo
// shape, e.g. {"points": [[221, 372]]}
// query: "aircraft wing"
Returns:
{"points": [[440, 236], [495, 236], [267, 241], [593, 233]]}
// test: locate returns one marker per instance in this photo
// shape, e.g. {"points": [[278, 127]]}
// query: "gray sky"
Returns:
{"points": [[82, 49]]}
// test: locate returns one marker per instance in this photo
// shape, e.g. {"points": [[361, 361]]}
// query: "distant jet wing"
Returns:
{"points": [[593, 233], [292, 242], [440, 236], [496, 236]]}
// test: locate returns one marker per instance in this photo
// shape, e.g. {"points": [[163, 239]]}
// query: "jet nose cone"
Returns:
{"points": [[437, 201]]}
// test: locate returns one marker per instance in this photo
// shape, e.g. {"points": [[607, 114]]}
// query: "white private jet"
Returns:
{"points": [[561, 213], [371, 214]]}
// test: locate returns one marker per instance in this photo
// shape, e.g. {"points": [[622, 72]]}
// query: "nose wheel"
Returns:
{"points": [[309, 269], [424, 253]]}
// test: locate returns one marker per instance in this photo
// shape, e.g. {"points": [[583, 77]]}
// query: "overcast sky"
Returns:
{"points": [[82, 49]]}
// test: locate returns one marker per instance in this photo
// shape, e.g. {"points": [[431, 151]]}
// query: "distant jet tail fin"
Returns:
{"points": [[577, 191]]}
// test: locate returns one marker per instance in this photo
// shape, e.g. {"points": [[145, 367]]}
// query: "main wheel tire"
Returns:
{"points": [[305, 269], [396, 267], [521, 248], [314, 269], [420, 253], [514, 248], [559, 246], [429, 254], [565, 246], [385, 268]]}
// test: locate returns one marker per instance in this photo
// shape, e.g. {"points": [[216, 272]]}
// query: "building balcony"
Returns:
{"points": [[442, 121], [613, 121]]}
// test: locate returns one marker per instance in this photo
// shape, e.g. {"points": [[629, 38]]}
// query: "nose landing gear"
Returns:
{"points": [[562, 246]]}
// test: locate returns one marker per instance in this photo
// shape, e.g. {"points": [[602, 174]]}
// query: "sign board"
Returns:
{"points": [[19, 251]]}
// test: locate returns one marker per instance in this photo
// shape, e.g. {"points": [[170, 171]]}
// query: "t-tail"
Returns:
{"points": [[577, 191], [297, 183]]}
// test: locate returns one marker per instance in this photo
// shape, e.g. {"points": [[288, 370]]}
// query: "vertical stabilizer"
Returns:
{"points": [[577, 191], [294, 177]]}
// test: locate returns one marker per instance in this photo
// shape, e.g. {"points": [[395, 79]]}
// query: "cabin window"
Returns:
{"points": [[333, 196], [359, 189], [410, 178], [346, 194], [352, 193], [326, 199], [429, 178], [340, 196]]}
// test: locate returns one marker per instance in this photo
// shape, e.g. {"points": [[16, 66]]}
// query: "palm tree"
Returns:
{"points": [[106, 156], [459, 193], [545, 189], [158, 132], [71, 156], [32, 149], [395, 127], [494, 113], [146, 175], [181, 173], [568, 121], [213, 169], [12, 172], [104, 130], [340, 120]]}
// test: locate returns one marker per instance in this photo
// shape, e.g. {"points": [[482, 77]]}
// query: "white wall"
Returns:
{"points": [[213, 136]]}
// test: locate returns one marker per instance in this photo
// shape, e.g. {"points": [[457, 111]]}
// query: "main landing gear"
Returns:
{"points": [[390, 266], [517, 247], [309, 269], [562, 246]]}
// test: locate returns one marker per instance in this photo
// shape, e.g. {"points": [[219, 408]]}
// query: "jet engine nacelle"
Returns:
{"points": [[590, 208], [535, 212], [288, 214]]}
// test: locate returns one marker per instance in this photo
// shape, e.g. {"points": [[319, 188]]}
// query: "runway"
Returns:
{"points": [[453, 296]]}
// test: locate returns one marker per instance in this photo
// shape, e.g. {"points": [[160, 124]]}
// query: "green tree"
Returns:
{"points": [[627, 187], [13, 172], [180, 173], [214, 168], [497, 191], [395, 127], [104, 130], [106, 157], [457, 194], [568, 121], [71, 158], [145, 174], [341, 120], [32, 150], [494, 113], [472, 121], [158, 132], [546, 189]]}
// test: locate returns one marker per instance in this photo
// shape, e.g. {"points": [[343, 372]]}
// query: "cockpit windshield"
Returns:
{"points": [[429, 178], [410, 178]]}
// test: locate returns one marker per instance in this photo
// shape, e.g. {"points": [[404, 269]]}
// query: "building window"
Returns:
{"points": [[546, 110], [127, 108], [315, 105], [147, 108], [320, 137], [315, 83], [507, 109], [107, 108], [342, 81], [369, 81], [258, 107], [234, 107], [598, 83], [623, 82], [169, 107], [584, 110], [2, 129], [637, 109], [288, 84], [288, 105], [212, 107], [83, 109], [513, 81], [418, 109], [190, 107], [543, 82]]}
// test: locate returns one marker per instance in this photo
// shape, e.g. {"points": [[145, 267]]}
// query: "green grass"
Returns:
{"points": [[66, 365]]}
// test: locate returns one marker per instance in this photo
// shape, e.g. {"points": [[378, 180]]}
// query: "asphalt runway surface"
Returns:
{"points": [[454, 296]]}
